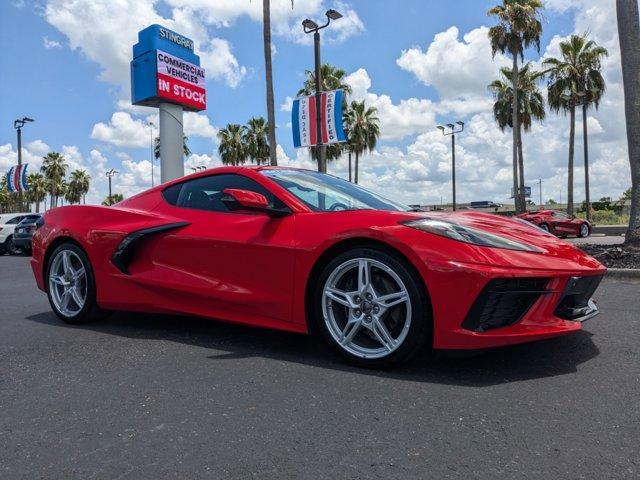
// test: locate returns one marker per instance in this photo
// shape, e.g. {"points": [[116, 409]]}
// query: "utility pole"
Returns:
{"points": [[452, 131], [152, 151], [18, 124], [309, 26], [540, 185]]}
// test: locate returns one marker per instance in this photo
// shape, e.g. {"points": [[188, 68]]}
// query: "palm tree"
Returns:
{"points": [[575, 79], [78, 186], [347, 125], [331, 78], [254, 137], [266, 35], [185, 147], [519, 27], [232, 148], [114, 198], [628, 33], [6, 197], [365, 130], [37, 191], [530, 105], [54, 167]]}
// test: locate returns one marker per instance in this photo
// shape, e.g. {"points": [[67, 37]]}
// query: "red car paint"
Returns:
{"points": [[251, 268], [558, 223]]}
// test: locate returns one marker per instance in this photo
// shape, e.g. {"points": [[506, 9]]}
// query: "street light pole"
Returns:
{"points": [[309, 26], [540, 185], [152, 150], [18, 124], [111, 173], [452, 132]]}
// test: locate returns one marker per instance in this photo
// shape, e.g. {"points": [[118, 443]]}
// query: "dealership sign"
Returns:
{"points": [[17, 178], [165, 69], [303, 119]]}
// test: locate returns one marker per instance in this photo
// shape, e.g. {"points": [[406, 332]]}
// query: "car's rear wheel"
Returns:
{"points": [[584, 230], [372, 308], [9, 247], [71, 285]]}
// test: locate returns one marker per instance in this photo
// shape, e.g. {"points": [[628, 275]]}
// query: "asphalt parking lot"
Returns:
{"points": [[141, 396]]}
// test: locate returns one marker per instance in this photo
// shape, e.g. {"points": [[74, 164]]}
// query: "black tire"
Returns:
{"points": [[580, 234], [420, 329], [90, 311], [8, 246]]}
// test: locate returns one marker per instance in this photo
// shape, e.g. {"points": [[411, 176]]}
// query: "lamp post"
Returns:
{"points": [[111, 173], [152, 151], [18, 124], [452, 130], [540, 185], [309, 26]]}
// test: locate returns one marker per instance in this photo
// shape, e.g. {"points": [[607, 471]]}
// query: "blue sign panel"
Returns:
{"points": [[166, 69]]}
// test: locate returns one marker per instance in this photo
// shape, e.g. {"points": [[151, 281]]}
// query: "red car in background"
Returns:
{"points": [[558, 223]]}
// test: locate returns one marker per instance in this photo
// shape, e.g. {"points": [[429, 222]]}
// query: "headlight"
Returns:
{"points": [[466, 234]]}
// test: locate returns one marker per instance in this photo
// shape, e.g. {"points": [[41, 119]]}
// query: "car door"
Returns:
{"points": [[562, 224], [233, 265]]}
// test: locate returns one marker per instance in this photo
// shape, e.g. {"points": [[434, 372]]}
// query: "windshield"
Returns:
{"points": [[326, 193]]}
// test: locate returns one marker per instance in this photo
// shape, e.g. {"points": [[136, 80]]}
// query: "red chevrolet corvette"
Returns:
{"points": [[302, 251], [558, 223]]}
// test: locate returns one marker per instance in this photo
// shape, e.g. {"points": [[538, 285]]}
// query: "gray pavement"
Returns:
{"points": [[598, 240], [155, 397]]}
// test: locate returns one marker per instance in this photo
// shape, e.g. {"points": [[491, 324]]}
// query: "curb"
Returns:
{"points": [[624, 273]]}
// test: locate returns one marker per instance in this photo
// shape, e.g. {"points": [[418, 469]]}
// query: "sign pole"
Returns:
{"points": [[320, 148], [19, 129], [171, 142]]}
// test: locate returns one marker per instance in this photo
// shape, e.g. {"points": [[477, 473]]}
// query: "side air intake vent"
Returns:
{"points": [[504, 301]]}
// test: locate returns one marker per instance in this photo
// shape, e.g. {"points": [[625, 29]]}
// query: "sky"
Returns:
{"points": [[421, 63]]}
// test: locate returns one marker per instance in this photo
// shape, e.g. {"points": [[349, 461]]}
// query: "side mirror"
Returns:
{"points": [[238, 199]]}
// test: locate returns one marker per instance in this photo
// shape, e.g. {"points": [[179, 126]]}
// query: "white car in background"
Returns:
{"points": [[8, 223]]}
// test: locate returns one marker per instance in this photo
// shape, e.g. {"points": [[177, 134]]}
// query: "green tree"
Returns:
{"points": [[7, 199], [518, 28], [232, 148], [331, 78], [114, 198], [185, 146], [365, 130], [628, 33], [530, 105], [347, 118], [574, 78], [254, 138], [54, 167], [37, 191], [80, 182]]}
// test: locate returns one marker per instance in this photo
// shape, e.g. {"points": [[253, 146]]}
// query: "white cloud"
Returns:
{"points": [[287, 106], [122, 131], [90, 28], [198, 125], [49, 44]]}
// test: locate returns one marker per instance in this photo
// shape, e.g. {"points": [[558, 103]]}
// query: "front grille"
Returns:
{"points": [[503, 302], [574, 303]]}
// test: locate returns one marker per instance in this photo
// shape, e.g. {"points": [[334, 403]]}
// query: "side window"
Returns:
{"points": [[14, 220], [205, 193]]}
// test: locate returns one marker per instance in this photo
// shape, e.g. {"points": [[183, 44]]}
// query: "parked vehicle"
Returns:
{"points": [[558, 223], [8, 223], [303, 251], [484, 204], [24, 232]]}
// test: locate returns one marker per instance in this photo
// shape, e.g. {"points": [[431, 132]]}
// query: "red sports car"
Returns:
{"points": [[558, 223], [303, 251]]}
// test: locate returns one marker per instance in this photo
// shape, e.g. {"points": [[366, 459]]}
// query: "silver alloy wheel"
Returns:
{"points": [[68, 283], [584, 230], [366, 308]]}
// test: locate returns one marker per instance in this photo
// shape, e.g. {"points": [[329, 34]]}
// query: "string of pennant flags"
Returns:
{"points": [[17, 178]]}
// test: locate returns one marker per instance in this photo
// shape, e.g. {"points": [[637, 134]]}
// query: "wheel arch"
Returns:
{"points": [[345, 245]]}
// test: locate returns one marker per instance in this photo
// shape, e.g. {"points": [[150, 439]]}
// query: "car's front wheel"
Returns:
{"points": [[584, 230], [71, 285], [372, 308]]}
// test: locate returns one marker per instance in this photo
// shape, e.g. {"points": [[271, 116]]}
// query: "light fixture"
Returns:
{"points": [[309, 24], [333, 14]]}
